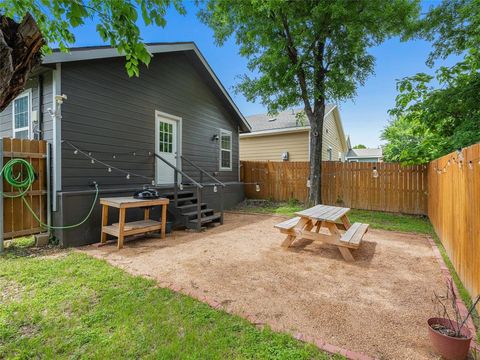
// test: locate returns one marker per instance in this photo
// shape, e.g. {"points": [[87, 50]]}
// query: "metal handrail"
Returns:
{"points": [[177, 170], [203, 171], [175, 189]]}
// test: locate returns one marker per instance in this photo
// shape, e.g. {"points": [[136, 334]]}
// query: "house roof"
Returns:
{"points": [[102, 52], [365, 153], [282, 120]]}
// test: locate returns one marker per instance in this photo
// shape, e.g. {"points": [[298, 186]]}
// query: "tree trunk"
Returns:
{"points": [[316, 142], [20, 52]]}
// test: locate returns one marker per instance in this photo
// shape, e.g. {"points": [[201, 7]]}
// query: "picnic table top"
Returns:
{"points": [[324, 213]]}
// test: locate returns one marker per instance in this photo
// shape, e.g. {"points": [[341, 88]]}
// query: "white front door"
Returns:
{"points": [[166, 145]]}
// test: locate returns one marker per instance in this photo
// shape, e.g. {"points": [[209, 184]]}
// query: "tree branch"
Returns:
{"points": [[20, 51]]}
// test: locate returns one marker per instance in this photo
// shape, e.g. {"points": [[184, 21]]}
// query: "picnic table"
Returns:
{"points": [[309, 223], [122, 228]]}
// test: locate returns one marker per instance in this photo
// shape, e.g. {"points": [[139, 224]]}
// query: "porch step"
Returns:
{"points": [[202, 211], [206, 219], [188, 206], [185, 199], [182, 194]]}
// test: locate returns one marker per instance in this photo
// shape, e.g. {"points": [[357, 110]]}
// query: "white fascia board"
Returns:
{"points": [[275, 132]]}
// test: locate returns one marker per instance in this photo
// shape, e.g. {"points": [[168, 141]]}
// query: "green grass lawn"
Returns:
{"points": [[377, 220], [75, 306]]}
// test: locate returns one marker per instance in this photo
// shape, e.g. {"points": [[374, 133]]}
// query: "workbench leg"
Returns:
{"points": [[104, 223], [121, 227], [146, 214], [164, 221]]}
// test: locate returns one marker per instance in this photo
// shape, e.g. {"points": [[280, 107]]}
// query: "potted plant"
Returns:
{"points": [[448, 333]]}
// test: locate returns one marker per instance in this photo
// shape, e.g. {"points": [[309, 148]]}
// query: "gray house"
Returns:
{"points": [[177, 108], [363, 155]]}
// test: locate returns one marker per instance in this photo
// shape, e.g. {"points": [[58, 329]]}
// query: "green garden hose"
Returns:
{"points": [[24, 183]]}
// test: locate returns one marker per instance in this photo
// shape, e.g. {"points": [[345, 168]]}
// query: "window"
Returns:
{"points": [[225, 150], [21, 116], [165, 144]]}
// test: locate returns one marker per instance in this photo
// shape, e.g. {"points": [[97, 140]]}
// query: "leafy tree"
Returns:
{"points": [[116, 23], [360, 146], [443, 111], [307, 52]]}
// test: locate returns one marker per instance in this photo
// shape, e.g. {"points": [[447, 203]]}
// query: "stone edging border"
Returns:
{"points": [[448, 277]]}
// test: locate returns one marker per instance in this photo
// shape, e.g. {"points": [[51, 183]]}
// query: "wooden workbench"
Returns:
{"points": [[122, 229]]}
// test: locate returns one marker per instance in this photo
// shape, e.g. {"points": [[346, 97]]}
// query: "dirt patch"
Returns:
{"points": [[377, 305], [11, 291]]}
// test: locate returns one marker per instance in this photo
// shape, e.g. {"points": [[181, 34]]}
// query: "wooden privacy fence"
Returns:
{"points": [[17, 220], [396, 189], [454, 210]]}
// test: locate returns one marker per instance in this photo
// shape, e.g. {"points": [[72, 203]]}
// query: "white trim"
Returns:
{"points": [[107, 52], [276, 131], [220, 149], [178, 157], [27, 93]]}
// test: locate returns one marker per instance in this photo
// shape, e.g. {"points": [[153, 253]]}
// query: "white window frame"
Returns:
{"points": [[27, 93], [229, 133]]}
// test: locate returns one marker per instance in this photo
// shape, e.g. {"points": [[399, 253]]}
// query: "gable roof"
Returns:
{"points": [[190, 48], [282, 120], [365, 153]]}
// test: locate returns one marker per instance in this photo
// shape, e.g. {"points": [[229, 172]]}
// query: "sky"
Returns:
{"points": [[363, 117]]}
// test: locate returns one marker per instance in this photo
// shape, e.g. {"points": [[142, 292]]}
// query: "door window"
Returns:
{"points": [[165, 143]]}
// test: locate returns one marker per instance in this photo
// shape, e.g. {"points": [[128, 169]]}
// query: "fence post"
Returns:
{"points": [[1, 198]]}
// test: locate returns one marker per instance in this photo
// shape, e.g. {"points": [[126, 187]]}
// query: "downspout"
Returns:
{"points": [[40, 104]]}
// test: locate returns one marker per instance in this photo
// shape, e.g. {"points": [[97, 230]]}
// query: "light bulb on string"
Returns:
{"points": [[180, 186], [375, 172], [109, 169], [89, 154], [114, 156], [134, 153], [75, 152], [153, 182], [257, 187], [215, 188], [92, 161], [128, 176], [470, 165]]}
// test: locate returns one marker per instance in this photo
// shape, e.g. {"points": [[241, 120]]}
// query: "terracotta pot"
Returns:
{"points": [[450, 348]]}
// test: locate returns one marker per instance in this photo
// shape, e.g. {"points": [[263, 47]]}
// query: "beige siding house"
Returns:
{"points": [[285, 137]]}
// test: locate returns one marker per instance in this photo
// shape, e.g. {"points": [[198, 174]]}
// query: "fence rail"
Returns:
{"points": [[396, 189], [454, 210], [17, 220]]}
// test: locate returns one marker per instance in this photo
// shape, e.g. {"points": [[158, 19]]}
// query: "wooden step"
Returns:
{"points": [[181, 193], [192, 213], [187, 206], [192, 199], [206, 219]]}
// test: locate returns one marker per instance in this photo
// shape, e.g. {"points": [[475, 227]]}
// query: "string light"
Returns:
{"points": [[153, 182], [470, 165], [257, 187], [114, 156], [180, 186], [215, 188], [375, 172], [109, 167]]}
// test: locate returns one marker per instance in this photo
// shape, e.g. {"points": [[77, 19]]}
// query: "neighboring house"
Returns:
{"points": [[177, 107], [363, 155], [286, 136]]}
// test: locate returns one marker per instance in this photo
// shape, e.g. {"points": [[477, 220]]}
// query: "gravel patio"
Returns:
{"points": [[377, 305]]}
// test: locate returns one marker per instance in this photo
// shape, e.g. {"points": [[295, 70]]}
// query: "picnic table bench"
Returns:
{"points": [[308, 224]]}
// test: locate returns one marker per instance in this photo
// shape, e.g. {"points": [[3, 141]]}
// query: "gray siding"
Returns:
{"points": [[6, 120], [107, 112]]}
